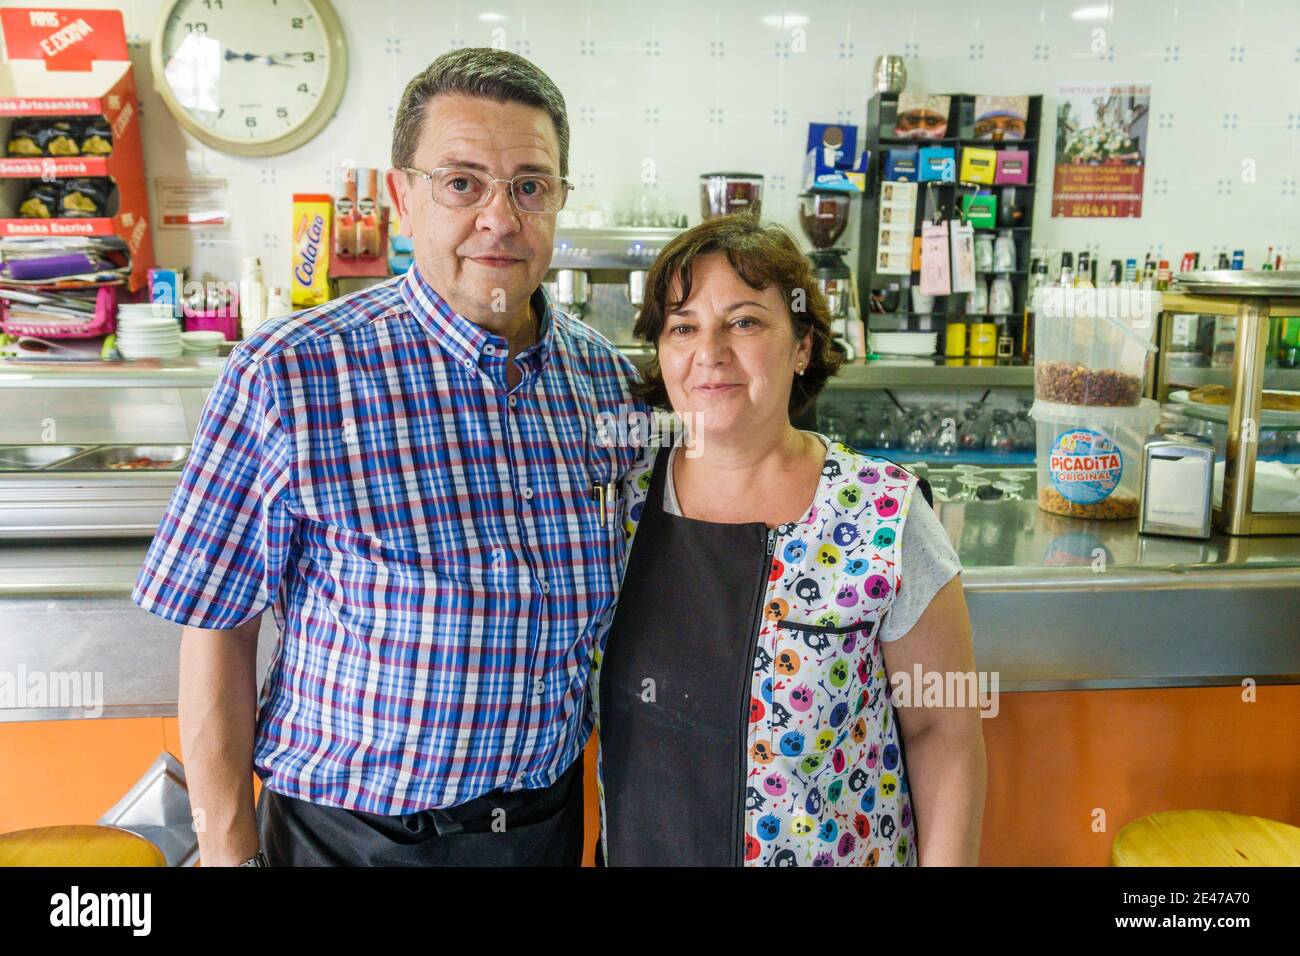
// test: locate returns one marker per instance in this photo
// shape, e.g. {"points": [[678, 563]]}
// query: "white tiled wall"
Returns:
{"points": [[698, 85]]}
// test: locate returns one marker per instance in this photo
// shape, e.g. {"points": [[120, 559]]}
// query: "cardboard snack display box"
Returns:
{"points": [[69, 63]]}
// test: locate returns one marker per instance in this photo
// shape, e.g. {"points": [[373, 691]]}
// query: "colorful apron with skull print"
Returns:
{"points": [[741, 698]]}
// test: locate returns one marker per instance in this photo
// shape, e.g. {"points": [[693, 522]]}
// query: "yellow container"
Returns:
{"points": [[954, 340], [984, 339]]}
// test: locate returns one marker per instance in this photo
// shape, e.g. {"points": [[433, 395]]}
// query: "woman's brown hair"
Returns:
{"points": [[761, 254]]}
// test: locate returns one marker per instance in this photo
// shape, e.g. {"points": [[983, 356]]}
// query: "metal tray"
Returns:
{"points": [[105, 456], [1239, 282], [35, 457], [1206, 411]]}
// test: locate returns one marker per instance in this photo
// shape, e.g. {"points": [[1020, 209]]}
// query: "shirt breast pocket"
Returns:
{"points": [[599, 506]]}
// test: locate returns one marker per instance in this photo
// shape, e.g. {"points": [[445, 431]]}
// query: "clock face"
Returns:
{"points": [[249, 72]]}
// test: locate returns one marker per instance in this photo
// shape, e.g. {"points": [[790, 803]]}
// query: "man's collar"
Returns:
{"points": [[464, 341]]}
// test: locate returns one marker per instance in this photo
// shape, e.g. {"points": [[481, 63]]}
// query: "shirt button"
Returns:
{"points": [[546, 586], [513, 401], [490, 349], [527, 493], [519, 778]]}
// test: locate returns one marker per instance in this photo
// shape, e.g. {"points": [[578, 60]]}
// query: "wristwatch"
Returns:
{"points": [[258, 860]]}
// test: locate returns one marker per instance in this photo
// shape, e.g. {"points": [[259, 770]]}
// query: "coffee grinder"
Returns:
{"points": [[823, 216]]}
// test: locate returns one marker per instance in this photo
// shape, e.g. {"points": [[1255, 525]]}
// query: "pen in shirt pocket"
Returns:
{"points": [[603, 493]]}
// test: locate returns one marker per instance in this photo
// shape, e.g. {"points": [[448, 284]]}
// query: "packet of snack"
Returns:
{"points": [[24, 138], [42, 201], [96, 137], [59, 138], [311, 247], [85, 197]]}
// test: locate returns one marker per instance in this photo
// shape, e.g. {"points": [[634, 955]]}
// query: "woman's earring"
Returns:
{"points": [[799, 370]]}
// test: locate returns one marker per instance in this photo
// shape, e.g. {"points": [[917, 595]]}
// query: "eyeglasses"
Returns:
{"points": [[458, 188]]}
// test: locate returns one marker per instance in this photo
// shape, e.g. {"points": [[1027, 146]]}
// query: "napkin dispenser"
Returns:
{"points": [[1177, 487]]}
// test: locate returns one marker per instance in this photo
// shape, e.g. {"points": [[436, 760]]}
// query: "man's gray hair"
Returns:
{"points": [[478, 71]]}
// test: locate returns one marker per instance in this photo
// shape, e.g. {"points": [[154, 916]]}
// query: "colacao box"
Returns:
{"points": [[311, 248]]}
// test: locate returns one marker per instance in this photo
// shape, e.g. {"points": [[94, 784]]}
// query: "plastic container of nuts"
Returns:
{"points": [[1093, 346], [1090, 457]]}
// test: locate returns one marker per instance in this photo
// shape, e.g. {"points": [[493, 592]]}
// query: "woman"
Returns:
{"points": [[773, 580]]}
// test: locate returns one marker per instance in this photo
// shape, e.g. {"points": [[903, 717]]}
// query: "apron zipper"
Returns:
{"points": [[739, 843]]}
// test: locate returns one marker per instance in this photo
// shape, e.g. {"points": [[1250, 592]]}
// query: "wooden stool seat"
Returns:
{"points": [[1205, 838], [78, 846]]}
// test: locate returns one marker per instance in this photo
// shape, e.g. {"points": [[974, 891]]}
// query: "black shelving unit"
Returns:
{"points": [[882, 110]]}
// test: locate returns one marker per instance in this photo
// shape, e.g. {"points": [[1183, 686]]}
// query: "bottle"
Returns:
{"points": [[1268, 260], [1163, 276], [1223, 261], [1000, 296], [1087, 265], [1066, 277], [1081, 277], [1006, 344], [1004, 253], [277, 303], [252, 295], [1130, 272], [1037, 279], [1115, 274]]}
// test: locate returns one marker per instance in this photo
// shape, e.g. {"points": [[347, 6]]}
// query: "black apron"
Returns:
{"points": [[675, 688], [531, 827]]}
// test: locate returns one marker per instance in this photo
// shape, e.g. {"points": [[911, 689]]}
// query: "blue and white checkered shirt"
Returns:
{"points": [[425, 536]]}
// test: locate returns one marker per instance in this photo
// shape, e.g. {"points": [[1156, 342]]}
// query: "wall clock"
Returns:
{"points": [[251, 77]]}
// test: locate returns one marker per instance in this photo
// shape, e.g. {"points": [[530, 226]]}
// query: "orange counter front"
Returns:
{"points": [[1067, 769]]}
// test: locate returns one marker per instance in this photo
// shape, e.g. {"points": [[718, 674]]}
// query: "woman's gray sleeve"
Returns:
{"points": [[927, 562]]}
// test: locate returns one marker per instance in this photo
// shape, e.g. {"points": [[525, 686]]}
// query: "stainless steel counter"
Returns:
{"points": [[1056, 603], [1060, 603], [72, 645]]}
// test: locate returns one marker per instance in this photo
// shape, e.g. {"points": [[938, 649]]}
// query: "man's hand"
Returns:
{"points": [[218, 714]]}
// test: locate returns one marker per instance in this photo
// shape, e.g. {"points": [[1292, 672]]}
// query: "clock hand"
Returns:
{"points": [[268, 59]]}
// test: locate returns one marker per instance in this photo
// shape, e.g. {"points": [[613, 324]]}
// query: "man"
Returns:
{"points": [[407, 477]]}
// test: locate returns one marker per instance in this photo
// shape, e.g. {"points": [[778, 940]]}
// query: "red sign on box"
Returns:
{"points": [[64, 39]]}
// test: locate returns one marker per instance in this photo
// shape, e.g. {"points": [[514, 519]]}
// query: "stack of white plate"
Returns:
{"points": [[146, 332], [202, 342], [904, 343]]}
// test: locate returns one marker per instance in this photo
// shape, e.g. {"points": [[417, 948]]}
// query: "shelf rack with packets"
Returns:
{"points": [[945, 158]]}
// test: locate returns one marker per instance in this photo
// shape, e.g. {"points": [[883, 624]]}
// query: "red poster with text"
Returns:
{"points": [[1101, 131]]}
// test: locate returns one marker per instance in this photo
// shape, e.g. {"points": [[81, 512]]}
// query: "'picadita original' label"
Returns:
{"points": [[1085, 465]]}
